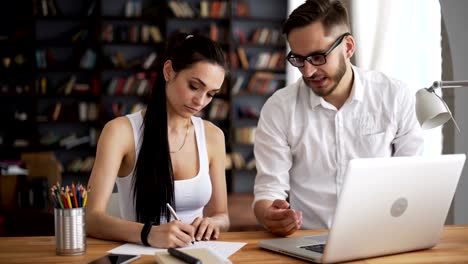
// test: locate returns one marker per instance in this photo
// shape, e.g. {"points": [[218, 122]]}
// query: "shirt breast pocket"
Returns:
{"points": [[375, 135], [376, 144]]}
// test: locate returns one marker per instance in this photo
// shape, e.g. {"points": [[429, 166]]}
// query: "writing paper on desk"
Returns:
{"points": [[224, 249], [205, 255]]}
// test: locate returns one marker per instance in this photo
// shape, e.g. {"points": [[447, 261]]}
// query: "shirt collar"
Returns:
{"points": [[356, 91]]}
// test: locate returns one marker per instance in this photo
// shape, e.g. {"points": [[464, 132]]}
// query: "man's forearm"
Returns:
{"points": [[259, 209]]}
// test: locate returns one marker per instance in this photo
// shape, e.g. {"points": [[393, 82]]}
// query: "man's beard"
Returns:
{"points": [[335, 78]]}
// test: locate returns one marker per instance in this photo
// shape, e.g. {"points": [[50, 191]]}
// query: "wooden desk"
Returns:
{"points": [[453, 248]]}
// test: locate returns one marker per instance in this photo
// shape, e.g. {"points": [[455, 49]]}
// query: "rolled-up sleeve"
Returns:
{"points": [[272, 152]]}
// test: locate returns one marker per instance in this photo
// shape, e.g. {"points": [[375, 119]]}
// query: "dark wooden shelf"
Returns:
{"points": [[258, 19], [131, 19], [201, 19], [54, 34], [79, 18]]}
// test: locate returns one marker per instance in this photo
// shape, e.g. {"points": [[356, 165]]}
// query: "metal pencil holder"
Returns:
{"points": [[70, 231]]}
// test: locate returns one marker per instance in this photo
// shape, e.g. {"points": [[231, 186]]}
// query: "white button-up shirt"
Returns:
{"points": [[303, 143]]}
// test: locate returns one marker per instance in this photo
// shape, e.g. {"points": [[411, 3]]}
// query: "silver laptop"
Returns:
{"points": [[387, 206]]}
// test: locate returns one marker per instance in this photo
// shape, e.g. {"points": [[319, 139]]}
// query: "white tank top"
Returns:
{"points": [[190, 195]]}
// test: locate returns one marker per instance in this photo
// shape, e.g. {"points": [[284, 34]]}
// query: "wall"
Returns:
{"points": [[456, 22]]}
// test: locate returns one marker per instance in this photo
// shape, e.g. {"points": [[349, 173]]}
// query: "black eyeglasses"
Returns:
{"points": [[316, 59]]}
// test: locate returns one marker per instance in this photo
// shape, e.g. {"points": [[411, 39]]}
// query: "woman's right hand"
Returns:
{"points": [[172, 234]]}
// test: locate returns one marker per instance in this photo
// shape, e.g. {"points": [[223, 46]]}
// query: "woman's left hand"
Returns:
{"points": [[205, 228]]}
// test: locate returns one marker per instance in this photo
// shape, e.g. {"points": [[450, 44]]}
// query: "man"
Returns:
{"points": [[308, 131]]}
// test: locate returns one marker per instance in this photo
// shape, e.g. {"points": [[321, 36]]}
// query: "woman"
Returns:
{"points": [[164, 154]]}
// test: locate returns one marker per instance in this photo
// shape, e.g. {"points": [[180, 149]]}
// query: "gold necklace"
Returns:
{"points": [[185, 138]]}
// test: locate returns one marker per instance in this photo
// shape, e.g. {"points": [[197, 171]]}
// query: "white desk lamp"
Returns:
{"points": [[431, 110]]}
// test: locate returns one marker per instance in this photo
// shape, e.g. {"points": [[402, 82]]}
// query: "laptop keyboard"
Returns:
{"points": [[316, 248]]}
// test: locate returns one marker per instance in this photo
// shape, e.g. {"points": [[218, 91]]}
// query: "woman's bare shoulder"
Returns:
{"points": [[118, 128], [214, 137]]}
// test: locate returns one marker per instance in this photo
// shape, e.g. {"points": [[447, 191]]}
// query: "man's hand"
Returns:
{"points": [[280, 219]]}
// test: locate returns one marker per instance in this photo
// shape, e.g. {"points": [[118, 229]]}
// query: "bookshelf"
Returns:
{"points": [[71, 66], [258, 69]]}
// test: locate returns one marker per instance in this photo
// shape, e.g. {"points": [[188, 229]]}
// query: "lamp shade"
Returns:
{"points": [[430, 109]]}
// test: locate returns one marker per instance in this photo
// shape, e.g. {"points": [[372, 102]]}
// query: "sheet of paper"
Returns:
{"points": [[224, 249]]}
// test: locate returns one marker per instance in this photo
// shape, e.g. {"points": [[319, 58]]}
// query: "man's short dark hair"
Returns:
{"points": [[331, 13]]}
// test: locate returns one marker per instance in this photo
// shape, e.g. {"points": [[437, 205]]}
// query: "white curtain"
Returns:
{"points": [[292, 73], [402, 39]]}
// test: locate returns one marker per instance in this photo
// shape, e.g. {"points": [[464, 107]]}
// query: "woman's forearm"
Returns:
{"points": [[103, 226]]}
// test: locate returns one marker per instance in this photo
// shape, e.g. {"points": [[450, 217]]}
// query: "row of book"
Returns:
{"points": [[70, 112], [72, 140], [213, 31], [214, 9], [261, 83], [80, 164], [45, 58], [248, 111], [133, 8], [14, 89], [208, 8], [132, 33], [118, 61], [262, 36], [245, 135], [139, 84], [124, 108], [219, 109], [263, 60], [16, 61], [47, 8], [70, 87], [235, 160]]}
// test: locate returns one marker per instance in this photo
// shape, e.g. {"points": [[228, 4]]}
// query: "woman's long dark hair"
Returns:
{"points": [[153, 182]]}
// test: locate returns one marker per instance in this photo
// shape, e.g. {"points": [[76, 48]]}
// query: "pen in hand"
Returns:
{"points": [[183, 256], [173, 213]]}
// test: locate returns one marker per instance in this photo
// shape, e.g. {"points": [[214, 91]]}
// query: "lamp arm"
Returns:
{"points": [[448, 84]]}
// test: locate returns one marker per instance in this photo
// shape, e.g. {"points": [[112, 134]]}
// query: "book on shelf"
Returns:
{"points": [[46, 8], [87, 111], [264, 82], [88, 60], [73, 140], [56, 112], [245, 135], [242, 8], [155, 33], [239, 36], [204, 8], [238, 84], [133, 8], [266, 35], [121, 109], [149, 61], [248, 111], [181, 9], [219, 109], [89, 6], [138, 84], [244, 61], [81, 165], [237, 160]]}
